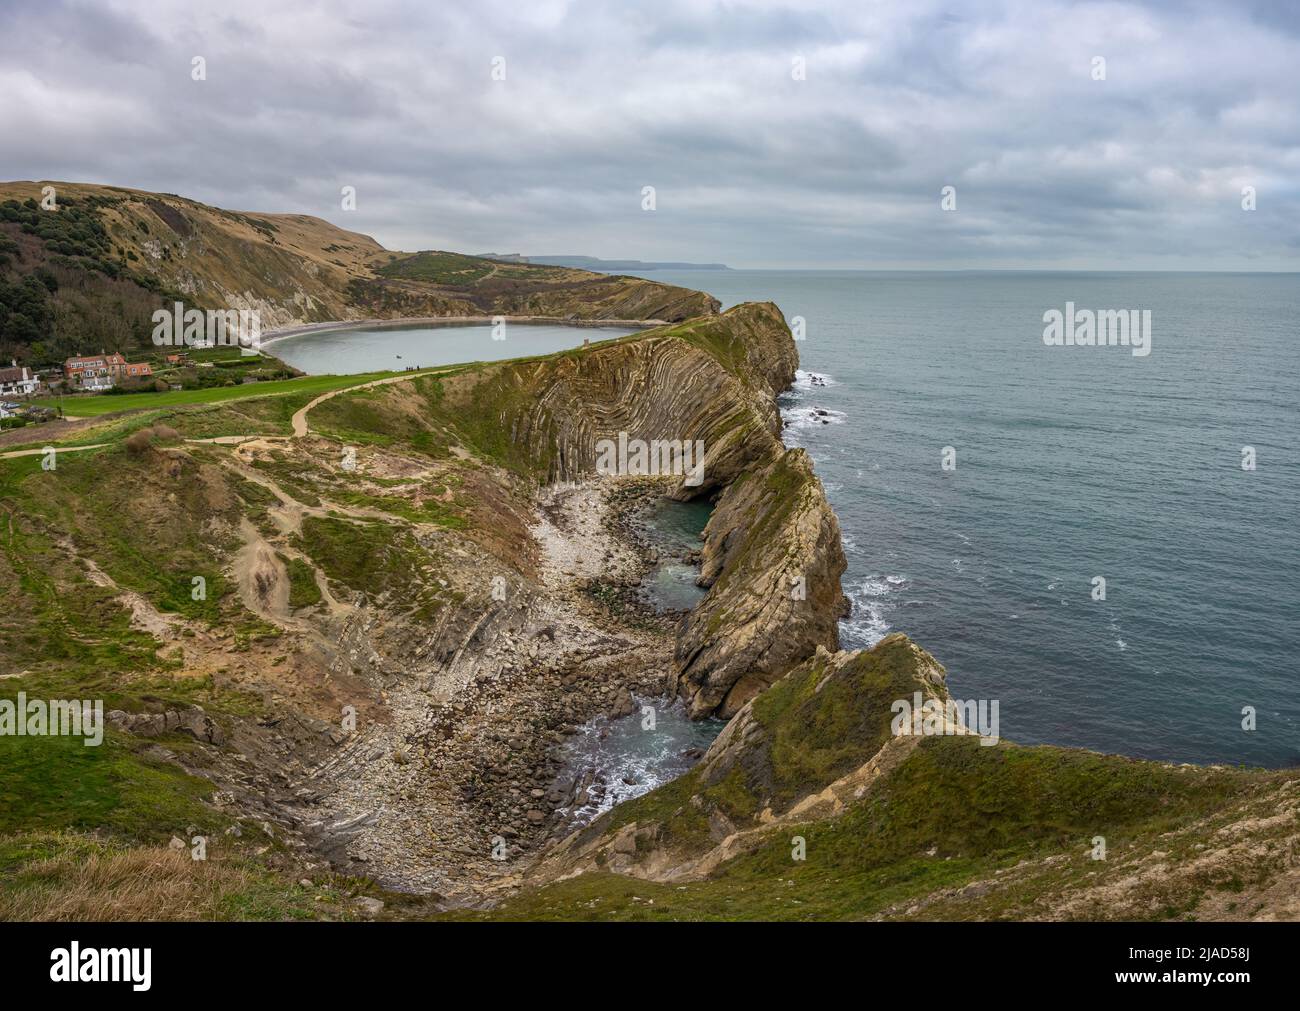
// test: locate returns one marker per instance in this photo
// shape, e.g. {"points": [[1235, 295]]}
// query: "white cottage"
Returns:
{"points": [[17, 381]]}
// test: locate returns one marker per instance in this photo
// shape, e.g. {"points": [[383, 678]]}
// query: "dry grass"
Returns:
{"points": [[148, 883]]}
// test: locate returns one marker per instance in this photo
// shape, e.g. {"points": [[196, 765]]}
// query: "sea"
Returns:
{"points": [[986, 483]]}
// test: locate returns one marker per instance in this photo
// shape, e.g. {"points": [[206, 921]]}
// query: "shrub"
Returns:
{"points": [[139, 441]]}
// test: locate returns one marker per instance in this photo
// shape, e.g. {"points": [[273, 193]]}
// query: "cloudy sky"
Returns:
{"points": [[751, 166]]}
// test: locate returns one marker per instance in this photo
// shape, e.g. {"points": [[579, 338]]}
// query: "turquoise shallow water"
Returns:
{"points": [[1072, 462], [347, 352], [674, 528]]}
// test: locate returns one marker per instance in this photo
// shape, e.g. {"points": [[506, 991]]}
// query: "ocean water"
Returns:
{"points": [[1071, 463], [674, 529], [347, 352], [630, 759]]}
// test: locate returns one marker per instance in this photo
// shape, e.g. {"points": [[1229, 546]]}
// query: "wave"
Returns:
{"points": [[614, 751], [799, 418], [805, 381], [873, 600]]}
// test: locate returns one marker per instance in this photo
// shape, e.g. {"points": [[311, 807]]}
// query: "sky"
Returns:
{"points": [[774, 135]]}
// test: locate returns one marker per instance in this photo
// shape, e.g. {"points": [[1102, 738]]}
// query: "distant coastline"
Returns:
{"points": [[601, 266]]}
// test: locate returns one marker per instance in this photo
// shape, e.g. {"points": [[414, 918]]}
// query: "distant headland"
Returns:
{"points": [[603, 266]]}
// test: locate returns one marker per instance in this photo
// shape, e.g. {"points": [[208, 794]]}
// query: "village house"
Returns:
{"points": [[18, 382], [102, 372]]}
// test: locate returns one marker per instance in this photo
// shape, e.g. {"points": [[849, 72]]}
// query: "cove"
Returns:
{"points": [[354, 350]]}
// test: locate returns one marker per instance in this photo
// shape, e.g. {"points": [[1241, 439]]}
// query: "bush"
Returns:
{"points": [[139, 441], [143, 438]]}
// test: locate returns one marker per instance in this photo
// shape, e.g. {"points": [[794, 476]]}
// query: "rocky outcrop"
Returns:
{"points": [[193, 721], [808, 748], [711, 381], [822, 729], [773, 560]]}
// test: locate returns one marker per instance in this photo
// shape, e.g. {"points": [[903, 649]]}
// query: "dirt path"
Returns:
{"points": [[45, 449], [231, 440], [300, 416]]}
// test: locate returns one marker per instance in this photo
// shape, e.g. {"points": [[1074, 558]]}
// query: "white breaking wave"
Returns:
{"points": [[801, 418], [804, 381], [873, 600]]}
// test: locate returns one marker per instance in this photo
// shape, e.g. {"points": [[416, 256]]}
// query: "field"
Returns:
{"points": [[94, 406]]}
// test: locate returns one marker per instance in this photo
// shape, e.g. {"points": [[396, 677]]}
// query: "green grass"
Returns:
{"points": [[816, 735], [59, 782], [93, 406], [110, 502], [371, 418], [428, 511], [250, 416], [438, 268], [371, 557], [303, 591], [74, 875], [953, 812], [56, 618]]}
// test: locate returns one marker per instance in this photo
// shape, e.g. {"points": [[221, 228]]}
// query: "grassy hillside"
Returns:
{"points": [[84, 274]]}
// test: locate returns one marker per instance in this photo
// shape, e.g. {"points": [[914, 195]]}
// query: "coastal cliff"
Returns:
{"points": [[347, 637], [815, 803], [693, 382], [771, 558]]}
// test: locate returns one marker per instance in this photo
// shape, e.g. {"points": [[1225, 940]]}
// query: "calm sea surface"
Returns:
{"points": [[1072, 463], [347, 352]]}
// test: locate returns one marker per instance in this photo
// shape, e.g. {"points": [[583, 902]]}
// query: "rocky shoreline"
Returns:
{"points": [[462, 790]]}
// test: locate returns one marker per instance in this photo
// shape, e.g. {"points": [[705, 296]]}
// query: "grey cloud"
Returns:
{"points": [[1141, 170]]}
